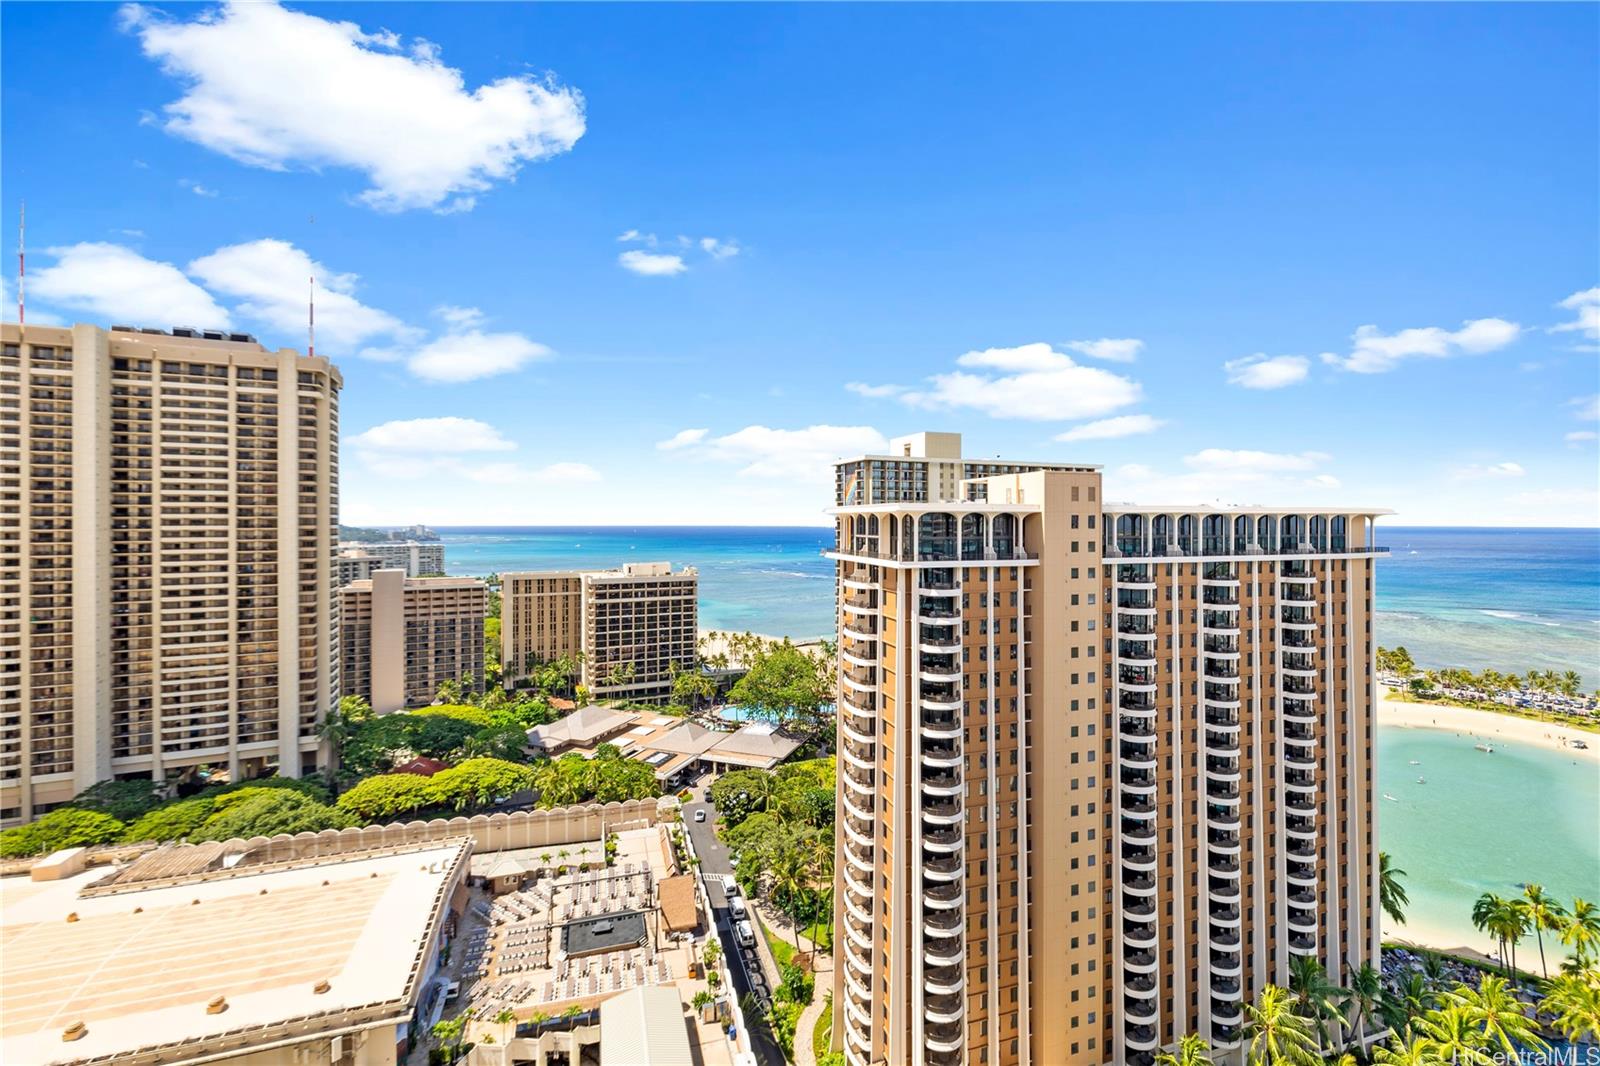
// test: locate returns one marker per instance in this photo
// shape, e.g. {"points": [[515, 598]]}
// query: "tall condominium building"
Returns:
{"points": [[355, 565], [632, 625], [1105, 769], [416, 559], [403, 636], [167, 527]]}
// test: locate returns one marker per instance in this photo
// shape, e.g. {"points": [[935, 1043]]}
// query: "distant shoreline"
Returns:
{"points": [[1487, 726]]}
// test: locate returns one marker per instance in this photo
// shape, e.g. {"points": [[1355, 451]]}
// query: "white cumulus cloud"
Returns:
{"points": [[1124, 350], [1111, 428], [1261, 371], [789, 454], [1586, 306], [473, 354], [118, 285], [719, 249], [429, 436], [1482, 471], [271, 87], [652, 264], [1032, 381], [271, 279], [874, 392], [1376, 352], [682, 439]]}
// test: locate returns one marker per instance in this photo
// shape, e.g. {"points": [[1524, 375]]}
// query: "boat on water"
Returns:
{"points": [[1392, 799], [1416, 762], [1422, 780], [1484, 747]]}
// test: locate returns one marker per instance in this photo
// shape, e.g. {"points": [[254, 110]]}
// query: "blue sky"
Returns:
{"points": [[1293, 254]]}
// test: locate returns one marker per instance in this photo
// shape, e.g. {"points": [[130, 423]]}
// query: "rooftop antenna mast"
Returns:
{"points": [[22, 271], [311, 319]]}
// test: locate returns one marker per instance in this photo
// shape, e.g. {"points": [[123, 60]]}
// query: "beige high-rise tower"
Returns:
{"points": [[167, 527], [1104, 770]]}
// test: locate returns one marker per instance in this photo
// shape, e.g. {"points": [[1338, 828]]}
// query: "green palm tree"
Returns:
{"points": [[1277, 1035], [1543, 913], [1454, 1037], [1191, 1051], [789, 879], [1504, 919], [1408, 1051], [1362, 1000], [1391, 893], [1316, 997], [1573, 1003], [1407, 1002], [1581, 932], [1493, 1007]]}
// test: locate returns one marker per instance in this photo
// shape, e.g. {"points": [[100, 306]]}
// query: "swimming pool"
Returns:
{"points": [[732, 712]]}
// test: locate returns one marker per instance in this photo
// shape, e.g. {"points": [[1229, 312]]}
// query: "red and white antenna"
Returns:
{"points": [[311, 319]]}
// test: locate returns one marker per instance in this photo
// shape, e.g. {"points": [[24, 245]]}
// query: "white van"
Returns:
{"points": [[744, 934], [736, 905]]}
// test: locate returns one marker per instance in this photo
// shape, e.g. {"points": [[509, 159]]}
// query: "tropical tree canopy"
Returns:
{"points": [[66, 827], [784, 684], [386, 798], [251, 812]]}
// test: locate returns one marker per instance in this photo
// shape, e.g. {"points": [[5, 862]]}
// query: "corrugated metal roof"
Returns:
{"points": [[644, 1026]]}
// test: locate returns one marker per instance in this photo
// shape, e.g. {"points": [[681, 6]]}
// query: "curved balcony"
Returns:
{"points": [[858, 967], [1138, 908], [1134, 703], [1225, 647], [1137, 575], [940, 755], [942, 1038], [1298, 689], [1224, 1012], [858, 1043], [939, 701], [1222, 841], [862, 630], [1225, 917], [859, 679], [1219, 594], [1139, 1011], [1138, 858], [855, 858], [848, 653], [947, 869], [940, 673], [861, 782], [862, 814], [1221, 817], [856, 911], [860, 704], [858, 754], [941, 813], [941, 783], [1136, 756], [1302, 921], [860, 934], [946, 896], [1299, 804], [1139, 934], [1302, 945], [1137, 807], [857, 1013], [1138, 832], [1295, 617], [1128, 609], [1223, 742], [942, 841], [944, 980], [1304, 828], [937, 592], [1141, 1037], [1225, 671], [1223, 890], [1139, 884], [1299, 782], [1136, 627], [1300, 875], [1226, 963], [1226, 989], [847, 726], [1222, 769], [1141, 730], [942, 646], [1139, 961], [1222, 865], [943, 1008], [862, 840], [1221, 792], [1220, 618], [941, 953], [1142, 985], [1299, 710], [1226, 939], [1138, 781], [929, 615], [943, 924], [1298, 592]]}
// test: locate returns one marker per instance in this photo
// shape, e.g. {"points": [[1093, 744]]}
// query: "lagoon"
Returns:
{"points": [[1483, 823]]}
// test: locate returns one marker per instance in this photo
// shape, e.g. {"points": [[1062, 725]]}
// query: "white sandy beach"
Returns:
{"points": [[1487, 726], [716, 641]]}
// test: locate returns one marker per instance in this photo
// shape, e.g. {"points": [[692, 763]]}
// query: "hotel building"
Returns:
{"points": [[167, 527], [1105, 769], [416, 559], [403, 636], [632, 626]]}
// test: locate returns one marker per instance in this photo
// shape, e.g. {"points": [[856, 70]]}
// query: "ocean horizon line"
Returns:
{"points": [[783, 525]]}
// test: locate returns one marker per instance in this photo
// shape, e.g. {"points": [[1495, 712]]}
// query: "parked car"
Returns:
{"points": [[452, 991], [744, 934], [700, 815], [736, 905]]}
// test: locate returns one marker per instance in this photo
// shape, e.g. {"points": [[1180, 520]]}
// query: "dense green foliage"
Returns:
{"points": [[172, 821], [265, 812], [387, 798], [784, 684], [781, 830], [606, 778], [65, 827], [473, 784], [123, 800]]}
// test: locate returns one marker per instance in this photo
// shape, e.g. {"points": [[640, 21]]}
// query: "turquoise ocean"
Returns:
{"points": [[1510, 599]]}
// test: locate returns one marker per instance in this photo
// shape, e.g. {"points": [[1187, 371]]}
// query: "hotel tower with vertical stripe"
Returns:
{"points": [[1104, 769], [168, 506]]}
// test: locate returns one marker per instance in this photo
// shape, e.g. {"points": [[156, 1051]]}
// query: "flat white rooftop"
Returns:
{"points": [[138, 967]]}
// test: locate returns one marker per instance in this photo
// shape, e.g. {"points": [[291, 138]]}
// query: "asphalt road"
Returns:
{"points": [[743, 964]]}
